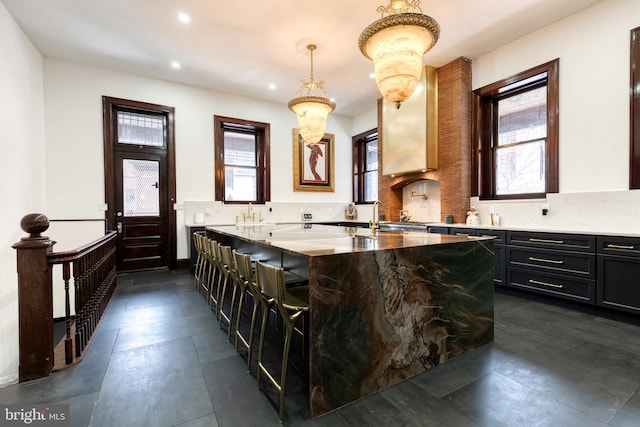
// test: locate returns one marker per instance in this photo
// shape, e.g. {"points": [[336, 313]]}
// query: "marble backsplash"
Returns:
{"points": [[607, 211], [209, 212]]}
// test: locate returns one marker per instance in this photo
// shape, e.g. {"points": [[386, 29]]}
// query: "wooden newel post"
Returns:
{"points": [[35, 302]]}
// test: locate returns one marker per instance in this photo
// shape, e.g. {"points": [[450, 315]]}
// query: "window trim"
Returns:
{"points": [[485, 129], [634, 111], [359, 157], [263, 167]]}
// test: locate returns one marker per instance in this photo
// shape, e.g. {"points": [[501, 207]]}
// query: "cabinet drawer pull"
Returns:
{"points": [[551, 261], [537, 282], [610, 245], [532, 239]]}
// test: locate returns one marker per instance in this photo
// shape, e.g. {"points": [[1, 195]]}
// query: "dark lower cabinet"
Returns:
{"points": [[559, 285], [437, 229], [500, 265], [595, 270], [560, 265], [619, 273]]}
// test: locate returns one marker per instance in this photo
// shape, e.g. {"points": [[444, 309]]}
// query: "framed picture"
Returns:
{"points": [[313, 164]]}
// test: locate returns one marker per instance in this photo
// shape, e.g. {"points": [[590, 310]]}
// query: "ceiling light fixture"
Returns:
{"points": [[312, 110], [184, 17], [396, 43]]}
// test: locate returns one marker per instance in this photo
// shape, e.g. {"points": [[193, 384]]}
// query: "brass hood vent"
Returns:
{"points": [[410, 133]]}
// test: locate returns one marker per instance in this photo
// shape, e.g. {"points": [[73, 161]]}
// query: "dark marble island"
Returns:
{"points": [[384, 306]]}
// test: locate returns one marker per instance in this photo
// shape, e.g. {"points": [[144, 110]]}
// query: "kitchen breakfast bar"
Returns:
{"points": [[383, 306]]}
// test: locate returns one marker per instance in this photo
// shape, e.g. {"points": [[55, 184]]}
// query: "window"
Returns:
{"points": [[365, 167], [141, 129], [516, 132], [242, 169]]}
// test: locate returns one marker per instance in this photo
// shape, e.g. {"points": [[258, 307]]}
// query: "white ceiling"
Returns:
{"points": [[242, 47]]}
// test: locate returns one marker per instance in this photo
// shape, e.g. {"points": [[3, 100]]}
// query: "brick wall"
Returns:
{"points": [[454, 148]]}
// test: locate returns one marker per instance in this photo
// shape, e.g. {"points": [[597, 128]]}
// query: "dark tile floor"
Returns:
{"points": [[159, 358]]}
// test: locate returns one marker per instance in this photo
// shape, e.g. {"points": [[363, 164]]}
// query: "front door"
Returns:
{"points": [[139, 190]]}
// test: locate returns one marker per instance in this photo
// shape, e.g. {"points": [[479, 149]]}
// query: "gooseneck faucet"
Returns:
{"points": [[374, 224]]}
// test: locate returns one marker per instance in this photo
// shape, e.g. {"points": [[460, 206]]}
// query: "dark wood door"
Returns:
{"points": [[141, 210], [140, 182]]}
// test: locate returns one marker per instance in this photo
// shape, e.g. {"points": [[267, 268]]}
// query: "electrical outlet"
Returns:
{"points": [[545, 209]]}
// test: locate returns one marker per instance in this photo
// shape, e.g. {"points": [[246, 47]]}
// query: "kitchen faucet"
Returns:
{"points": [[374, 224], [250, 214]]}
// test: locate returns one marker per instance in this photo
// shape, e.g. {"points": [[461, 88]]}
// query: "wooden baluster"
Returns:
{"points": [[68, 344], [77, 280]]}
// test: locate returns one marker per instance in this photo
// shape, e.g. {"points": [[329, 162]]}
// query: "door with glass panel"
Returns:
{"points": [[140, 208], [139, 190]]}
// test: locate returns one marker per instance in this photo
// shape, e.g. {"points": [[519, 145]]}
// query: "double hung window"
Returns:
{"points": [[516, 132], [242, 161]]}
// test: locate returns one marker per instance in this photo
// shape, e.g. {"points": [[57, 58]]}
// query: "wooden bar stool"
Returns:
{"points": [[291, 303]]}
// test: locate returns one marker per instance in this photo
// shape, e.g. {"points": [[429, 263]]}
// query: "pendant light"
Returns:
{"points": [[396, 43], [312, 110]]}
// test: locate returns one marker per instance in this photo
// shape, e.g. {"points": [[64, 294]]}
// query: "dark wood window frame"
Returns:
{"points": [[634, 119], [359, 157], [485, 130], [263, 164]]}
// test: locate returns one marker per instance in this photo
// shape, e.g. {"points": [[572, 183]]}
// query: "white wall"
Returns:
{"points": [[593, 47], [73, 114], [366, 120], [22, 164]]}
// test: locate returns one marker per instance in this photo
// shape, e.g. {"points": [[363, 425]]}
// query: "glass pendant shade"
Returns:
{"points": [[312, 110], [396, 43]]}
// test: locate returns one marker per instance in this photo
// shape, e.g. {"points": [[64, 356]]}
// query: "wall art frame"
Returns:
{"points": [[313, 164]]}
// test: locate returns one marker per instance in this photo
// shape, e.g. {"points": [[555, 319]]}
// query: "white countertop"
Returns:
{"points": [[604, 231]]}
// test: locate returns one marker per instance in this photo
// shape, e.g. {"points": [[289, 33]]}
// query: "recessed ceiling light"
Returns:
{"points": [[372, 75], [175, 65], [272, 86], [184, 17]]}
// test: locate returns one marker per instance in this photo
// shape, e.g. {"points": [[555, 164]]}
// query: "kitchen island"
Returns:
{"points": [[384, 306]]}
